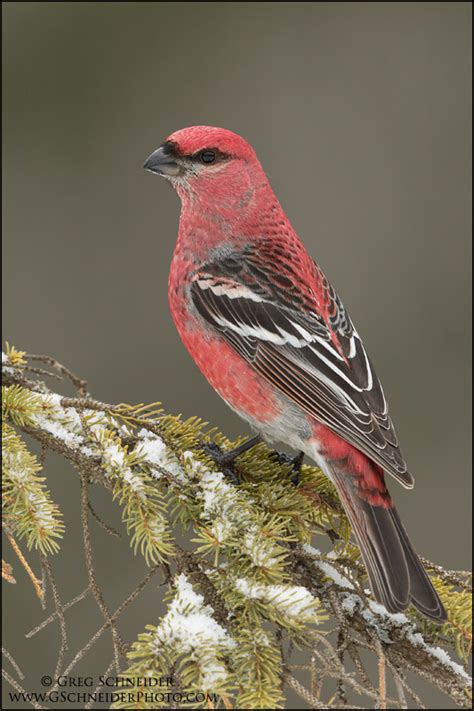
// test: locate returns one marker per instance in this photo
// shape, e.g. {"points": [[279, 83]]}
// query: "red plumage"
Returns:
{"points": [[272, 337]]}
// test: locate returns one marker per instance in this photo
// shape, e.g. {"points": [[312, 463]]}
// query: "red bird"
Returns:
{"points": [[271, 335]]}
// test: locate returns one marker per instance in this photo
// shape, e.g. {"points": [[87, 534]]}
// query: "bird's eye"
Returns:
{"points": [[207, 156]]}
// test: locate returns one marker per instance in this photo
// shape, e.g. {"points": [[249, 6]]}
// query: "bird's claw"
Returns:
{"points": [[295, 462], [224, 460]]}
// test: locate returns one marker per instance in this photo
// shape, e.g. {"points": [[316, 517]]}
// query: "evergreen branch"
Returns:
{"points": [[251, 575]]}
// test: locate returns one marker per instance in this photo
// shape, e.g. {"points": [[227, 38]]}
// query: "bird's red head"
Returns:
{"points": [[211, 163], [192, 141]]}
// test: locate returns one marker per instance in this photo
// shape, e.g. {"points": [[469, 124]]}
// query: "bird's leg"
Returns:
{"points": [[225, 460], [220, 457], [296, 462]]}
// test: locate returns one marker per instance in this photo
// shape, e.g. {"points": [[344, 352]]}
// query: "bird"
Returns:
{"points": [[269, 332]]}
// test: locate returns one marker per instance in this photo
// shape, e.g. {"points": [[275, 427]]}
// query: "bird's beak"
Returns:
{"points": [[163, 161]]}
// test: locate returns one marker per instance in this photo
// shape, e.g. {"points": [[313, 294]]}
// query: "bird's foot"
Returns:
{"points": [[296, 462], [225, 460]]}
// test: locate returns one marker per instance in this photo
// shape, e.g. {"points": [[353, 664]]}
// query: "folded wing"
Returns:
{"points": [[313, 356]]}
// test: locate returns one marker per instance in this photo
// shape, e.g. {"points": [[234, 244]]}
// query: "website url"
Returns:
{"points": [[111, 697]]}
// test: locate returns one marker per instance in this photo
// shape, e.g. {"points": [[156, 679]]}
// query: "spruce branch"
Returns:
{"points": [[248, 587]]}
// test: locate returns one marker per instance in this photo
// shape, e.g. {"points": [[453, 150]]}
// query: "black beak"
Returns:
{"points": [[163, 161]]}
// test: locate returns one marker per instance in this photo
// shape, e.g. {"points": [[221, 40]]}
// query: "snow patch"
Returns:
{"points": [[439, 653], [189, 626], [157, 454], [291, 600], [328, 570]]}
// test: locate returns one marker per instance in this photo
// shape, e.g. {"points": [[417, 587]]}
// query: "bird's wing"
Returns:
{"points": [[313, 356]]}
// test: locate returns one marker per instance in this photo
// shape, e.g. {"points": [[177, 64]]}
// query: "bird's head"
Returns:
{"points": [[206, 161]]}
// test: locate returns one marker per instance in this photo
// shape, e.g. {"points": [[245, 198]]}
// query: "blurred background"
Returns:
{"points": [[360, 114]]}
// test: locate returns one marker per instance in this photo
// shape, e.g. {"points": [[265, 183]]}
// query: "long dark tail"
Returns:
{"points": [[397, 576]]}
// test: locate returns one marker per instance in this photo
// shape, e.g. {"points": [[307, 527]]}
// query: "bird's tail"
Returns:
{"points": [[397, 576]]}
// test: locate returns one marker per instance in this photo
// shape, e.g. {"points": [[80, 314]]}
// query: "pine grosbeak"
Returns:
{"points": [[271, 335]]}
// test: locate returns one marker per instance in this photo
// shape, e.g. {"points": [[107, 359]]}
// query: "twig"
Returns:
{"points": [[109, 529], [83, 651], [400, 679], [332, 667], [315, 687], [21, 690], [456, 577], [7, 573], [15, 666], [44, 580], [302, 692], [399, 687], [118, 644], [59, 613], [54, 615], [101, 684], [36, 583], [38, 371], [355, 656], [382, 680], [79, 383], [226, 701], [341, 646]]}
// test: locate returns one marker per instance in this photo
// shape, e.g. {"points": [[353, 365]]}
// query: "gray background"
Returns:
{"points": [[360, 114]]}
